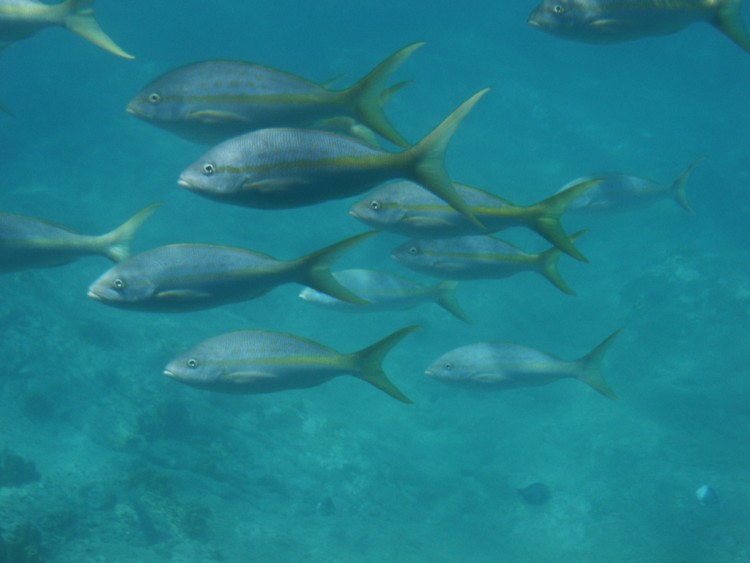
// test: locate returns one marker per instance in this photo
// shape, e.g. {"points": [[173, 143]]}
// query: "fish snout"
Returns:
{"points": [[93, 295], [183, 183], [169, 374]]}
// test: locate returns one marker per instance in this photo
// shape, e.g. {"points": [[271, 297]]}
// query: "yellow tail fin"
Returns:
{"points": [[80, 19], [116, 244], [591, 365]]}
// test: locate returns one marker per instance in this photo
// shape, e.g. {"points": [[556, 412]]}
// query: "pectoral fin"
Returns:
{"points": [[245, 376], [274, 185], [216, 116], [182, 295]]}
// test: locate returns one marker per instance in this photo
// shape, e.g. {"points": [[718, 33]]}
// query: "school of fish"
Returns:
{"points": [[279, 141]]}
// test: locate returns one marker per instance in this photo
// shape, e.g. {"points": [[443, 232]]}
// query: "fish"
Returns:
{"points": [[190, 277], [499, 366], [619, 192], [615, 21], [474, 257], [21, 19], [405, 208], [280, 168], [212, 101], [535, 494], [386, 292], [259, 361], [29, 242], [707, 496]]}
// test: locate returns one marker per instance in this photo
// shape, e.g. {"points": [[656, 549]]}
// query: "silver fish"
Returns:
{"points": [[188, 277], [257, 361], [498, 366], [619, 192], [614, 21], [405, 208], [212, 101], [386, 292], [20, 19], [281, 168], [474, 257], [28, 242]]}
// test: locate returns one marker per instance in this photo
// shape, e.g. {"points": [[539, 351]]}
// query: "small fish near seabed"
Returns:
{"points": [[20, 19], [407, 209], [282, 168], [188, 277], [212, 101], [475, 257], [619, 192], [615, 21], [499, 366], [384, 291], [28, 242], [257, 361]]}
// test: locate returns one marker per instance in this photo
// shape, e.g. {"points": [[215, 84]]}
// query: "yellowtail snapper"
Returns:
{"points": [[281, 168], [620, 192], [614, 21], [474, 257], [20, 19], [407, 209], [188, 277], [498, 366], [257, 361], [28, 242], [386, 292], [212, 101]]}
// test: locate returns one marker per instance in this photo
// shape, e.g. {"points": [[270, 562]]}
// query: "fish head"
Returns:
{"points": [[448, 368], [412, 253], [378, 213], [218, 173], [121, 286], [562, 17], [169, 98], [194, 368]]}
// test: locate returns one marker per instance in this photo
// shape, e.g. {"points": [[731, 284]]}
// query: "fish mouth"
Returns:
{"points": [[93, 295], [169, 374], [533, 22], [185, 184], [428, 373]]}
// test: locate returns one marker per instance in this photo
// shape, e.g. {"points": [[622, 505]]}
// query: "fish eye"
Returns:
{"points": [[448, 366], [208, 169], [413, 250], [154, 98], [558, 9], [118, 284], [192, 363], [375, 205]]}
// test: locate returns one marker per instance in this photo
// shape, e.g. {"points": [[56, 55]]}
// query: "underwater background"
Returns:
{"points": [[132, 466]]}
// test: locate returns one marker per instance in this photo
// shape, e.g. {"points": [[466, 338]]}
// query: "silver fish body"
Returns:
{"points": [[474, 257], [405, 208], [212, 101], [497, 366], [28, 242], [621, 192], [385, 292], [21, 19], [187, 277], [613, 21], [286, 167], [249, 362]]}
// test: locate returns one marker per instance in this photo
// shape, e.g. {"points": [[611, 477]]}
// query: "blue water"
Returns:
{"points": [[136, 467]]}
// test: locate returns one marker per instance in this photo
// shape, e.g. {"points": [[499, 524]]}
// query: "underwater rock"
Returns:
{"points": [[23, 544], [536, 494], [707, 496], [16, 471]]}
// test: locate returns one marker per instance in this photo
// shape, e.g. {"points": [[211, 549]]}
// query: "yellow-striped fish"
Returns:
{"points": [[614, 21], [258, 361], [212, 101], [20, 19], [28, 242]]}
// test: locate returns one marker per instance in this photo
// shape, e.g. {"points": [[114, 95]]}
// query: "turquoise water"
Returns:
{"points": [[136, 467]]}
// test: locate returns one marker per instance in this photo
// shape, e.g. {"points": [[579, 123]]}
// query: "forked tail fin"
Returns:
{"points": [[678, 188], [115, 245], [591, 367], [80, 19], [367, 363]]}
